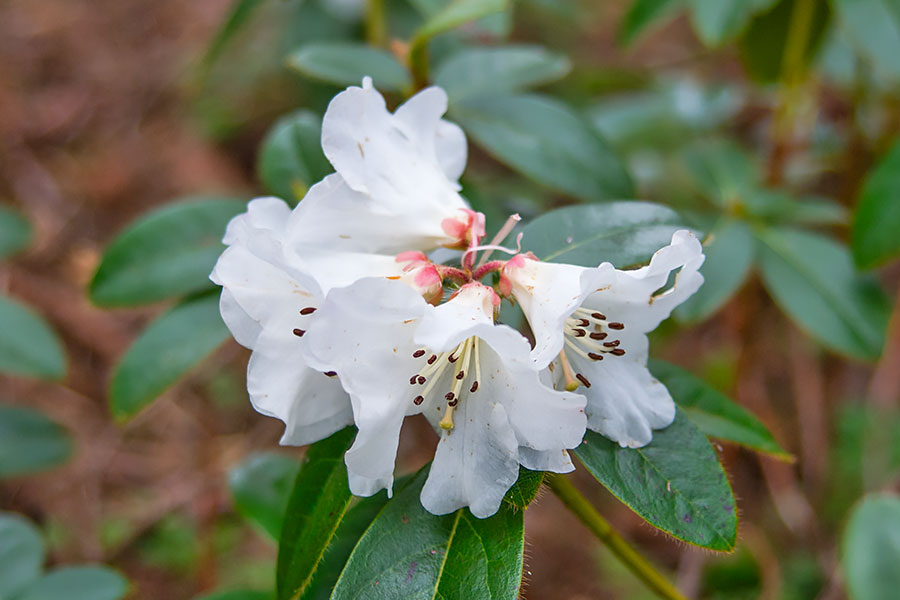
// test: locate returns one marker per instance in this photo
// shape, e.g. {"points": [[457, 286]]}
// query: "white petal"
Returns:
{"points": [[420, 119], [625, 402], [243, 327], [548, 294], [557, 461], [265, 217], [311, 404], [475, 463], [364, 333]]}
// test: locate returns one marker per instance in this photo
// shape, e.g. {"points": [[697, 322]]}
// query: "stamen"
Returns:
{"points": [[452, 358], [432, 358], [579, 332], [616, 325], [299, 332], [595, 356], [617, 352], [583, 380], [598, 336], [449, 396], [308, 310], [418, 354], [421, 380], [612, 344], [461, 374], [331, 373], [412, 380], [418, 400], [583, 322], [474, 387], [599, 316]]}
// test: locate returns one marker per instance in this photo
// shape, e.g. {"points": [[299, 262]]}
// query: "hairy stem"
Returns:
{"points": [[599, 526]]}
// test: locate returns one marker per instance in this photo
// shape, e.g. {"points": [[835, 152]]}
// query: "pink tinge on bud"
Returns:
{"points": [[517, 261], [477, 294], [411, 256], [422, 275], [466, 230]]}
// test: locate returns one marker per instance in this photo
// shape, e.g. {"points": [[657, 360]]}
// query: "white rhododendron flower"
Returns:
{"points": [[395, 188], [396, 356], [592, 325]]}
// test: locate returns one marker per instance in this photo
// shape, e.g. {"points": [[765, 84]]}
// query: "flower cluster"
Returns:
{"points": [[352, 319]]}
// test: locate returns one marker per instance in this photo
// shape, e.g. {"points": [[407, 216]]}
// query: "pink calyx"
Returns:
{"points": [[422, 275], [466, 230]]}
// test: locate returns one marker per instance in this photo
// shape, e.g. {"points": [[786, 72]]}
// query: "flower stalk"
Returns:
{"points": [[600, 527]]}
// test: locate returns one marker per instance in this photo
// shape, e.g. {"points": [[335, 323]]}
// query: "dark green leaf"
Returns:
{"points": [[355, 522], [238, 595], [675, 483], [876, 227], [317, 504], [545, 140], [644, 13], [763, 43], [291, 158], [525, 489], [871, 548], [261, 487], [30, 442], [77, 583], [717, 21], [623, 233], [28, 347], [21, 554], [714, 413], [346, 63], [722, 172], [171, 346], [241, 11], [409, 553], [782, 208], [729, 251], [873, 27], [457, 13], [167, 254], [15, 232], [814, 281], [475, 71]]}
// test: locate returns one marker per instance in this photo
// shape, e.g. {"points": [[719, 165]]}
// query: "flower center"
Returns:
{"points": [[588, 334], [450, 370]]}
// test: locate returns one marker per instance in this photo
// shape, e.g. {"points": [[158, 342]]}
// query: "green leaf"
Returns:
{"points": [[346, 63], [871, 548], [717, 21], [261, 487], [714, 413], [623, 233], [545, 140], [763, 43], [15, 232], [644, 13], [30, 442], [873, 27], [459, 12], [876, 227], [525, 489], [238, 595], [409, 553], [477, 71], [28, 347], [77, 583], [675, 483], [319, 499], [814, 281], [722, 172], [729, 250], [167, 254], [171, 346], [21, 554], [241, 11], [355, 522], [291, 158]]}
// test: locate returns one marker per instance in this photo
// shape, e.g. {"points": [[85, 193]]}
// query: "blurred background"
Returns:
{"points": [[110, 110]]}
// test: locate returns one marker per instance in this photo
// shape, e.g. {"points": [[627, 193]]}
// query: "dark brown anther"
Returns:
{"points": [[612, 344], [449, 396], [418, 400], [583, 379], [616, 326], [452, 358], [579, 332], [453, 402], [331, 373], [599, 336], [432, 358], [599, 316], [583, 322], [595, 356], [474, 387], [418, 354], [308, 310], [299, 332], [412, 380], [421, 380], [461, 374], [617, 352]]}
